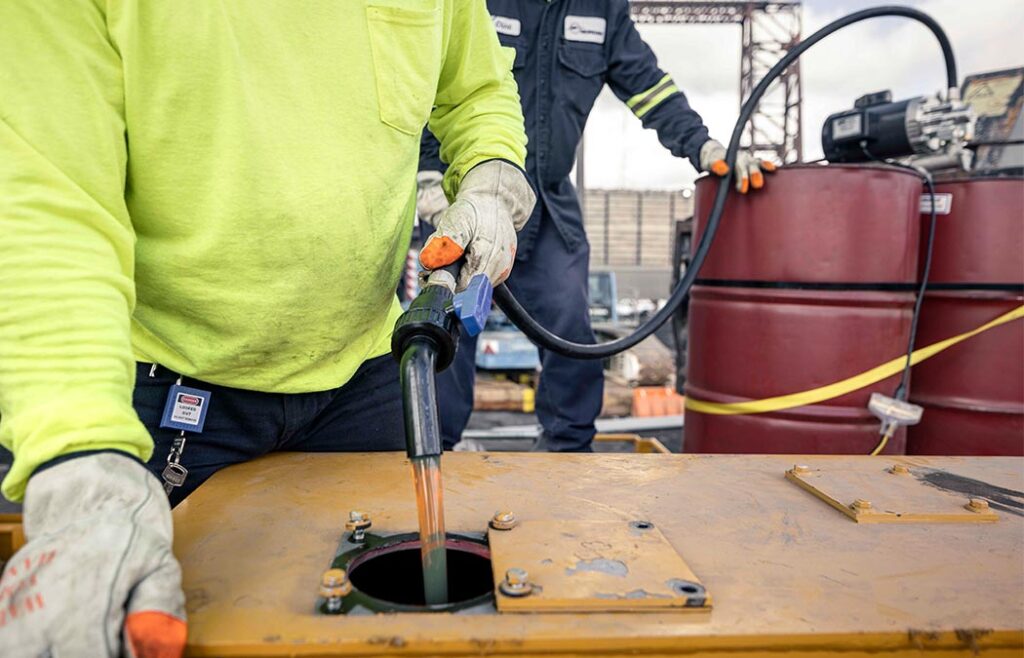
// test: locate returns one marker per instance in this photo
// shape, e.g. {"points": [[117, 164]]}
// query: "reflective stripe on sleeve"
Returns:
{"points": [[647, 100]]}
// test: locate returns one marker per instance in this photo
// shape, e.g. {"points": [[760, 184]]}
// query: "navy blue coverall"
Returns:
{"points": [[565, 52]]}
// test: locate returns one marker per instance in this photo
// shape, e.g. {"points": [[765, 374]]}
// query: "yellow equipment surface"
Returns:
{"points": [[788, 575], [587, 566]]}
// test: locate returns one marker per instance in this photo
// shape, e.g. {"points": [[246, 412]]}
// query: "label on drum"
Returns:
{"points": [[943, 203]]}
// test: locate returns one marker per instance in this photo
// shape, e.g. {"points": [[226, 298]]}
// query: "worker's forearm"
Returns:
{"points": [[486, 125], [477, 116], [65, 358], [66, 244], [680, 129]]}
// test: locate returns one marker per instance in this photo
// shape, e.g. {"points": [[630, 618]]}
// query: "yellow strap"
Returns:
{"points": [[845, 386]]}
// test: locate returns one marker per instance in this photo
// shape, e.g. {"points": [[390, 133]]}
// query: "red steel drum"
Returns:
{"points": [[973, 393], [808, 282]]}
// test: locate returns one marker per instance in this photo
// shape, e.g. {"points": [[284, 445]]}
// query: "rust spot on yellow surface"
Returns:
{"points": [[921, 639], [196, 600], [393, 641], [970, 636]]}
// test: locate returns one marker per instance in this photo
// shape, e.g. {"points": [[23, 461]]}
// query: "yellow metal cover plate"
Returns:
{"points": [[593, 566], [876, 492], [790, 576]]}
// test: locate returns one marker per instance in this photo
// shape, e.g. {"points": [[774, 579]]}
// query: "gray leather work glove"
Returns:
{"points": [[748, 168], [430, 198], [97, 577], [494, 201]]}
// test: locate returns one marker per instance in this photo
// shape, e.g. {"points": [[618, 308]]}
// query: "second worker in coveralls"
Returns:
{"points": [[565, 52]]}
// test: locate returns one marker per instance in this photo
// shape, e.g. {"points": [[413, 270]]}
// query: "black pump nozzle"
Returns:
{"points": [[430, 317], [424, 342]]}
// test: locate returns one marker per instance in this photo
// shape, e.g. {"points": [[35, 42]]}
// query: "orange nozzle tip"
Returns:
{"points": [[719, 168], [155, 634], [440, 251], [744, 185], [757, 180]]}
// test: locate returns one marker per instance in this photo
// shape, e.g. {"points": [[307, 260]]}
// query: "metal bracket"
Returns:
{"points": [[873, 493]]}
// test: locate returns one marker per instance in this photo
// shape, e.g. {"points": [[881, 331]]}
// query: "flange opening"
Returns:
{"points": [[393, 574]]}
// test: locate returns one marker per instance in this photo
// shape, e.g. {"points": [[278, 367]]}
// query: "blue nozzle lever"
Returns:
{"points": [[473, 304]]}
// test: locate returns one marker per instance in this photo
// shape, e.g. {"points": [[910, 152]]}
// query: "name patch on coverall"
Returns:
{"points": [[585, 28], [505, 25], [185, 409]]}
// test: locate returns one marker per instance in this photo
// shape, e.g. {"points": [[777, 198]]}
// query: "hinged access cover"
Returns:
{"points": [[591, 566], [876, 492]]}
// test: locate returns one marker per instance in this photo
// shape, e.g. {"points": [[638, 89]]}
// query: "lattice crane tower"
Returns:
{"points": [[769, 30]]}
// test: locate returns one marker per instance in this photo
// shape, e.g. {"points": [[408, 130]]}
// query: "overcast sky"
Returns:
{"points": [[885, 53]]}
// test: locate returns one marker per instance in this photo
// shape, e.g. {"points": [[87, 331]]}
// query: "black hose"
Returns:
{"points": [[422, 423], [544, 338], [903, 390]]}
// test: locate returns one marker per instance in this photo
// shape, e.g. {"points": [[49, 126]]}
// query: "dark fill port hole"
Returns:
{"points": [[395, 573]]}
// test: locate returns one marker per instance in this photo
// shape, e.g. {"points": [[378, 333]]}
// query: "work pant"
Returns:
{"points": [[552, 286], [364, 415]]}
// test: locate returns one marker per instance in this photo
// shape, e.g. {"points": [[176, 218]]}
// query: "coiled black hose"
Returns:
{"points": [[549, 341]]}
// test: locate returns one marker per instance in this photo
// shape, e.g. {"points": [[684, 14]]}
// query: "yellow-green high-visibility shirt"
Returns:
{"points": [[223, 187]]}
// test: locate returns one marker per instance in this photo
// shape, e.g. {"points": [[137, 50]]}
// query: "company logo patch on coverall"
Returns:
{"points": [[585, 28]]}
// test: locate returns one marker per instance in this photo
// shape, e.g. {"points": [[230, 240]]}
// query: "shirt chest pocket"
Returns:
{"points": [[581, 76], [582, 61], [406, 50]]}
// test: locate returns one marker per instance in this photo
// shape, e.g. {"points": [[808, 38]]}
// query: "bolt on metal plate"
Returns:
{"points": [[334, 586], [503, 520], [358, 523], [516, 583]]}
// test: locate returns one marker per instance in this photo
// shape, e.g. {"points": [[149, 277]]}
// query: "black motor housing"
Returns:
{"points": [[875, 129]]}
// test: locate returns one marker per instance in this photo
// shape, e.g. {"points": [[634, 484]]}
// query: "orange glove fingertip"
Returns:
{"points": [[757, 180], [744, 185], [440, 251], [768, 166], [719, 168], [155, 634]]}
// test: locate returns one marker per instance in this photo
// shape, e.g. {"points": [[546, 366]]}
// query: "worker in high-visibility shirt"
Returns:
{"points": [[565, 53], [204, 210]]}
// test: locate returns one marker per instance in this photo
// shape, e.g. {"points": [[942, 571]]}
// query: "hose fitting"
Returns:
{"points": [[430, 319]]}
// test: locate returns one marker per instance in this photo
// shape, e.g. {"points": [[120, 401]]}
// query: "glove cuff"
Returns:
{"points": [[711, 151], [427, 177], [97, 484], [501, 179]]}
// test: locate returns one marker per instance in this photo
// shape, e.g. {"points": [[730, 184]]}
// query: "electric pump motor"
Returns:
{"points": [[930, 130]]}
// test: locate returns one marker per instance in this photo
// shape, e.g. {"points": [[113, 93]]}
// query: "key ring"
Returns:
{"points": [[185, 410]]}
